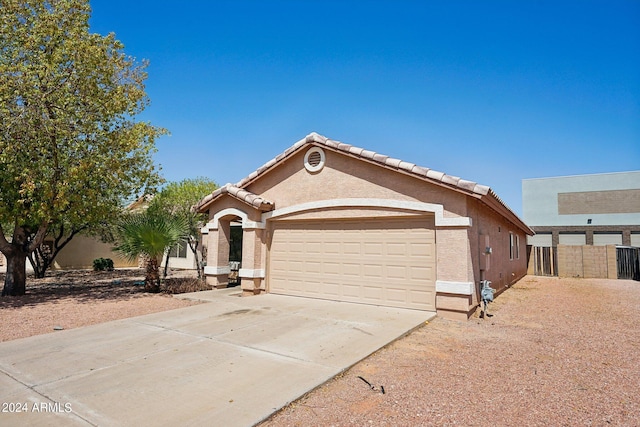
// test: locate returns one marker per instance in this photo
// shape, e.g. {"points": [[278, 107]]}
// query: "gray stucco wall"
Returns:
{"points": [[540, 199]]}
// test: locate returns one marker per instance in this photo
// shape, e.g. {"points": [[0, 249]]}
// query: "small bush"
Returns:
{"points": [[103, 264], [184, 285]]}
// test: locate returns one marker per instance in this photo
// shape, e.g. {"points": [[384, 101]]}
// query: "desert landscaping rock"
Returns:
{"points": [[557, 352], [71, 299]]}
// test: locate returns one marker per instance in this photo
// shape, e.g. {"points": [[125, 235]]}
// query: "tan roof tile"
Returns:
{"points": [[240, 194], [394, 163], [419, 170], [270, 163], [356, 150], [449, 179], [481, 189], [427, 174], [343, 147], [406, 165], [367, 154], [380, 158], [435, 175], [316, 137], [331, 143], [467, 185]]}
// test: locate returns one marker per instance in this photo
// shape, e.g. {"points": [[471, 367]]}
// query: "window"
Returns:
{"points": [[179, 250], [604, 238], [512, 245], [573, 239]]}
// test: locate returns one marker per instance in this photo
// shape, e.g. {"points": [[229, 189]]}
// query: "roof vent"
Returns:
{"points": [[314, 159]]}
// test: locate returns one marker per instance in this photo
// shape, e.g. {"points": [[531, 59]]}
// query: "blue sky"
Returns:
{"points": [[491, 91]]}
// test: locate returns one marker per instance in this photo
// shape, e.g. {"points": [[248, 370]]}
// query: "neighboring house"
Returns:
{"points": [[80, 252], [181, 257], [598, 209], [328, 220]]}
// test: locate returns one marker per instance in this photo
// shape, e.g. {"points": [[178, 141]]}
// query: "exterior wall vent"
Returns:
{"points": [[314, 159]]}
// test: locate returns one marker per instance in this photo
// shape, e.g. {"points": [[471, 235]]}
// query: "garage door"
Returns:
{"points": [[387, 262]]}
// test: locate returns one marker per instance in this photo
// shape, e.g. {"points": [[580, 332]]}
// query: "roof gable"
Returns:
{"points": [[238, 193], [470, 188], [427, 174]]}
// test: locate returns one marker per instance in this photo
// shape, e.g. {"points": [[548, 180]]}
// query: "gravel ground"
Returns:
{"points": [[557, 352], [71, 299]]}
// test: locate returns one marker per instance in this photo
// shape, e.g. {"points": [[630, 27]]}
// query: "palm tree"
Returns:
{"points": [[149, 234]]}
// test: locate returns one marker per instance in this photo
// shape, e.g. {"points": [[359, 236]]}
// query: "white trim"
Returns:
{"points": [[308, 166], [460, 288], [213, 225], [216, 271], [251, 273], [463, 221], [437, 209]]}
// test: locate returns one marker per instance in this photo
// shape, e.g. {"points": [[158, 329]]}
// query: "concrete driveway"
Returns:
{"points": [[232, 361]]}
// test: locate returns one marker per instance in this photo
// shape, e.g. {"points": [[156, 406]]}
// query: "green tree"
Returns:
{"points": [[149, 234], [178, 198], [61, 232], [70, 148]]}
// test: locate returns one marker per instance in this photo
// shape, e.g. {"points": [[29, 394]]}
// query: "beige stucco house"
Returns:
{"points": [[329, 220], [79, 254]]}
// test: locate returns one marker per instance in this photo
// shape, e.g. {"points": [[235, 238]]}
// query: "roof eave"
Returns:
{"points": [[492, 200], [431, 176], [289, 152], [237, 193]]}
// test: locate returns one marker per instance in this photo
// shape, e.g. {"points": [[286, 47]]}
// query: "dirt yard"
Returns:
{"points": [[557, 352], [71, 299]]}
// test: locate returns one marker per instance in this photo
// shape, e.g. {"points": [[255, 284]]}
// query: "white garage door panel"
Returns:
{"points": [[390, 262]]}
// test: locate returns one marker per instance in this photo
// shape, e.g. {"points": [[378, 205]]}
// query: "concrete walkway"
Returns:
{"points": [[232, 361]]}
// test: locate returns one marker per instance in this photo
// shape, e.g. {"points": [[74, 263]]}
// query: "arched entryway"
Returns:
{"points": [[234, 251]]}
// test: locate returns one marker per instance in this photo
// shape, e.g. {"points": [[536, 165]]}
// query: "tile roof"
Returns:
{"points": [[471, 188], [389, 162], [240, 194]]}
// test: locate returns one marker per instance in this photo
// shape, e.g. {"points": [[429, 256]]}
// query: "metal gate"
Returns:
{"points": [[628, 260], [545, 261]]}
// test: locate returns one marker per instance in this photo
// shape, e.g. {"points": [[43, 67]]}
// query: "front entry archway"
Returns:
{"points": [[234, 251]]}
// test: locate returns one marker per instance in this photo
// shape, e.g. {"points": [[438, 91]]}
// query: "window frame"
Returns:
{"points": [[511, 246], [179, 250]]}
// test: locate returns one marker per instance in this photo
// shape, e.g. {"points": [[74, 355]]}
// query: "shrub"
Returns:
{"points": [[183, 285], [103, 264]]}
